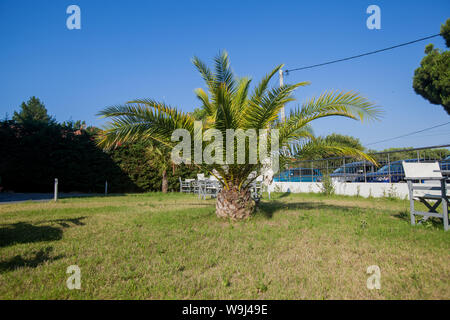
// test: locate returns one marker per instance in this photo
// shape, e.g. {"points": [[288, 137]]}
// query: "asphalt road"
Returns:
{"points": [[6, 197]]}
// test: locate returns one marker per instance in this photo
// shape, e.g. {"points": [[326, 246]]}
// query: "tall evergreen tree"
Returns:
{"points": [[32, 111], [432, 78]]}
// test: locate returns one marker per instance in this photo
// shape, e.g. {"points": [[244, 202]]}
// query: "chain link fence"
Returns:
{"points": [[344, 169]]}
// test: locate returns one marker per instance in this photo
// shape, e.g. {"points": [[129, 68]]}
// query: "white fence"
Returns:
{"points": [[397, 190]]}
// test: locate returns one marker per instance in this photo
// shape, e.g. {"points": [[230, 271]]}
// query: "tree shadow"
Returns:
{"points": [[65, 222], [39, 257], [402, 215], [267, 209], [22, 232], [277, 196]]}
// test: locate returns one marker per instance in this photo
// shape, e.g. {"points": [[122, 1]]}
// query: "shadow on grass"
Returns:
{"points": [[432, 222], [281, 196], [267, 209], [39, 257], [22, 232], [65, 223]]}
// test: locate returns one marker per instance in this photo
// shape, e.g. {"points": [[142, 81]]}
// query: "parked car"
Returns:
{"points": [[392, 172], [352, 172], [299, 175], [445, 164]]}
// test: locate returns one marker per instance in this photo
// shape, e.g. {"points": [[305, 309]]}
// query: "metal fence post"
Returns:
{"points": [[365, 171], [389, 168], [55, 196], [345, 171], [300, 173]]}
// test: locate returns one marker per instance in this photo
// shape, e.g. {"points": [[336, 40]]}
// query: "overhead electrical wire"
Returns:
{"points": [[370, 53], [361, 55], [409, 134]]}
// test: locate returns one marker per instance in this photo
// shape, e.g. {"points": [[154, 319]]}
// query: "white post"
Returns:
{"points": [[55, 197], [282, 114], [106, 187]]}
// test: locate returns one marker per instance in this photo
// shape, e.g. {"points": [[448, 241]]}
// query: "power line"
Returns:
{"points": [[434, 135], [363, 54], [408, 134]]}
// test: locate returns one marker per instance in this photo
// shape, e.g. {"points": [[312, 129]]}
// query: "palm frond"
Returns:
{"points": [[347, 104], [261, 88], [240, 99], [223, 73], [210, 108], [293, 134], [131, 122], [260, 115], [224, 114], [324, 149], [205, 72]]}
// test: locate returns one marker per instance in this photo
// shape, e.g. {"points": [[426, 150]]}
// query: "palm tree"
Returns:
{"points": [[229, 103], [159, 157]]}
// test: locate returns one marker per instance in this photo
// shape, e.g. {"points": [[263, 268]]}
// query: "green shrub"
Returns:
{"points": [[327, 187]]}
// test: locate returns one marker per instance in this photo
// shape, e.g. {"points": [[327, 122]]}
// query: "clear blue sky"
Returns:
{"points": [[142, 49]]}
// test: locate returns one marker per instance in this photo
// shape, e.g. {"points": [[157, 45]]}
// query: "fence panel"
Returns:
{"points": [[345, 169]]}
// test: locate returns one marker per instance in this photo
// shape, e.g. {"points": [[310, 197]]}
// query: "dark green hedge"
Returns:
{"points": [[33, 155], [146, 176]]}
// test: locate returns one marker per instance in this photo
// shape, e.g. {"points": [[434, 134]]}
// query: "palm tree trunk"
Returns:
{"points": [[165, 183], [234, 203]]}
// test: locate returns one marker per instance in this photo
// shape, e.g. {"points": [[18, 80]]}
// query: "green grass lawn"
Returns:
{"points": [[155, 246]]}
